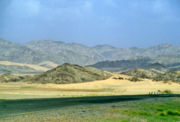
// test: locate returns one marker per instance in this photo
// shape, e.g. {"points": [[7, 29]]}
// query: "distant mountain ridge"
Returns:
{"points": [[14, 52], [137, 63], [35, 52]]}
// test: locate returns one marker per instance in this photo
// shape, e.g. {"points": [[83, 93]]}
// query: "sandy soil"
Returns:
{"points": [[36, 67], [110, 86]]}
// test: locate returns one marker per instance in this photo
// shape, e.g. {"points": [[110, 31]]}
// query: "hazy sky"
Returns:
{"points": [[121, 23]]}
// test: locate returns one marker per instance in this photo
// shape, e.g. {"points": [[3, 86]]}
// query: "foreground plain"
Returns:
{"points": [[105, 100], [138, 108], [109, 87]]}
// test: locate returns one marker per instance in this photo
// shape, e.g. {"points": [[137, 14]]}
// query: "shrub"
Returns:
{"points": [[169, 113], [118, 78], [134, 78], [162, 114], [167, 92], [173, 113]]}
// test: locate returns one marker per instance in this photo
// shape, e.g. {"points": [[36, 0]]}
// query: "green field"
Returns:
{"points": [[110, 108]]}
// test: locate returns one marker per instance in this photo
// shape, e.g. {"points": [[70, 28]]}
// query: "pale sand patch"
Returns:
{"points": [[52, 64], [36, 67], [103, 87]]}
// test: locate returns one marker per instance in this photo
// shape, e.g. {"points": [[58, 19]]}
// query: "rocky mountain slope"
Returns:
{"points": [[123, 65], [69, 73], [35, 52], [17, 53], [66, 73], [172, 76]]}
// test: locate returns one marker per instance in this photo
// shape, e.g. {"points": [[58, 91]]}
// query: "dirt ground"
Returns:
{"points": [[111, 86]]}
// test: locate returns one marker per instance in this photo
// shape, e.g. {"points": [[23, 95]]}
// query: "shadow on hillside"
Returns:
{"points": [[10, 107]]}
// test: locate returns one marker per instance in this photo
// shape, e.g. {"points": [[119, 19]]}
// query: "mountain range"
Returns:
{"points": [[56, 52], [140, 62]]}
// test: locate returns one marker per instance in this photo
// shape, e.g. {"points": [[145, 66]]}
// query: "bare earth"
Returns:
{"points": [[110, 86], [35, 67]]}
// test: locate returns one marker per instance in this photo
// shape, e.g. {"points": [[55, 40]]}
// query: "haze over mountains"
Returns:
{"points": [[35, 52], [123, 65], [44, 56], [47, 54]]}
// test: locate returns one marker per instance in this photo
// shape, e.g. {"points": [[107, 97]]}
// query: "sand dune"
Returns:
{"points": [[36, 67], [103, 87], [49, 63], [124, 87]]}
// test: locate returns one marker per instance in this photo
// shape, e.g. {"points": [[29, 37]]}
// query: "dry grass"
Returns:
{"points": [[110, 86]]}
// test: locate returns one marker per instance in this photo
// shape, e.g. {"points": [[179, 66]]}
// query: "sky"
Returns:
{"points": [[120, 23]]}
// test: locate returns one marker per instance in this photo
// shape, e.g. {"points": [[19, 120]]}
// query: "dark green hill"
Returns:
{"points": [[69, 73]]}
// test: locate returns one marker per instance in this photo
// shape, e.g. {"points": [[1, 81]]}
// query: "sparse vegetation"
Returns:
{"points": [[134, 79], [141, 73], [169, 113], [102, 79], [118, 78], [169, 76], [167, 92], [173, 76], [68, 73], [81, 107], [12, 77], [107, 108]]}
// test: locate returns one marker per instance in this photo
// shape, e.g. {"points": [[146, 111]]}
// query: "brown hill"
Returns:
{"points": [[142, 73], [69, 73], [173, 76]]}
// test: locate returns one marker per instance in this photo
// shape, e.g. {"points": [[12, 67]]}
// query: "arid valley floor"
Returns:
{"points": [[105, 100], [111, 86]]}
